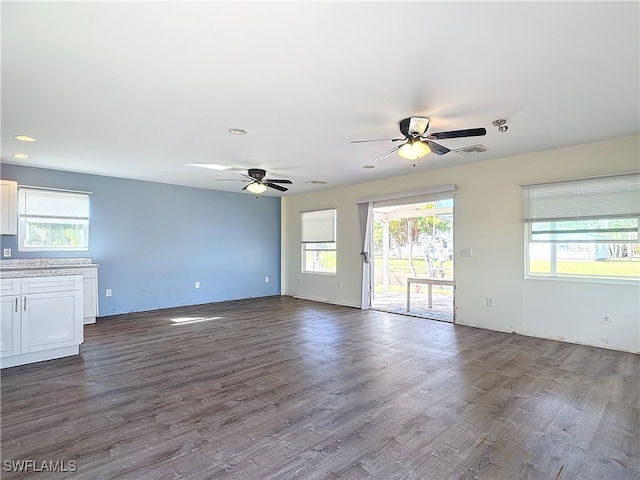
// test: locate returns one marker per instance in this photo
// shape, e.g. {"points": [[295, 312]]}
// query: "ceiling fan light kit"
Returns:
{"points": [[257, 188], [418, 142], [257, 184], [414, 150]]}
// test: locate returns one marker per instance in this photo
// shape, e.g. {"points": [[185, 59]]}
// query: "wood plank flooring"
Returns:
{"points": [[283, 388]]}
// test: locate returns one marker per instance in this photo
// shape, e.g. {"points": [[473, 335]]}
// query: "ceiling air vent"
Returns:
{"points": [[471, 149]]}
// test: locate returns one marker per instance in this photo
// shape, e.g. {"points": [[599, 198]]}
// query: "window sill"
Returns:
{"points": [[568, 278]]}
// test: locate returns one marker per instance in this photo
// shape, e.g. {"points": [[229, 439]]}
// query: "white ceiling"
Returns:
{"points": [[144, 89]]}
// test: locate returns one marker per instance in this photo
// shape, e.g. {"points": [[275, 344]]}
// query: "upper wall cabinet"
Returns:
{"points": [[8, 206]]}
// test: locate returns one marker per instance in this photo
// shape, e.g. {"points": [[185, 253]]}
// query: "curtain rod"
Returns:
{"points": [[413, 193]]}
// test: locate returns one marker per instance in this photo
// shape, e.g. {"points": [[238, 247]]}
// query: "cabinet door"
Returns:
{"points": [[9, 325], [89, 299], [51, 320], [8, 207]]}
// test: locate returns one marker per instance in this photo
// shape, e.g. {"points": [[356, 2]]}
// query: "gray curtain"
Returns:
{"points": [[365, 211]]}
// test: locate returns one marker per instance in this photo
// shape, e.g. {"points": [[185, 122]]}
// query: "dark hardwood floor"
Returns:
{"points": [[282, 388]]}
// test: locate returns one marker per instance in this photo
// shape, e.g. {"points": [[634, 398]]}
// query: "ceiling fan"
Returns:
{"points": [[257, 183], [418, 143]]}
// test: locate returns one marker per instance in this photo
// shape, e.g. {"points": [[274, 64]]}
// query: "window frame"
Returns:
{"points": [[587, 204], [317, 241], [81, 201]]}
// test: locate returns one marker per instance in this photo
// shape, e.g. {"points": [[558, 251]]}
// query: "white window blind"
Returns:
{"points": [[52, 220], [53, 204], [319, 226], [595, 198]]}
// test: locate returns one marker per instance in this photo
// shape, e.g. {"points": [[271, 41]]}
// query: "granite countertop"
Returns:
{"points": [[37, 267], [48, 272]]}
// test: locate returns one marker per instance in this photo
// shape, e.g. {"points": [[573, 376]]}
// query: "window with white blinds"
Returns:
{"points": [[585, 227], [319, 226], [319, 241], [605, 197], [52, 220]]}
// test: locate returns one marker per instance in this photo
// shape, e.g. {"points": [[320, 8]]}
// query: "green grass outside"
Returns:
{"points": [[403, 289], [609, 268], [613, 268], [400, 266]]}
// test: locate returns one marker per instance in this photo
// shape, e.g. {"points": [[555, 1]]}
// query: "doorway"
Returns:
{"points": [[412, 264]]}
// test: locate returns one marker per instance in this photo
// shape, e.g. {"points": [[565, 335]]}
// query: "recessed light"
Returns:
{"points": [[368, 166], [237, 131], [21, 156], [24, 138], [212, 166]]}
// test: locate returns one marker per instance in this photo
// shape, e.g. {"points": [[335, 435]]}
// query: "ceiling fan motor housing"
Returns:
{"points": [[414, 126], [256, 173]]}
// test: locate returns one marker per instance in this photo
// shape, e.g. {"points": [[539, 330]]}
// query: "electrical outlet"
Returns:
{"points": [[108, 292], [197, 284], [266, 279], [6, 252], [490, 302]]}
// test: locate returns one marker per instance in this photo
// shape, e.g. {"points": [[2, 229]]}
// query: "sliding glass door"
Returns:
{"points": [[412, 258]]}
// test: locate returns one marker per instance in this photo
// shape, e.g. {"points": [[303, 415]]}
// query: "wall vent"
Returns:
{"points": [[471, 149]]}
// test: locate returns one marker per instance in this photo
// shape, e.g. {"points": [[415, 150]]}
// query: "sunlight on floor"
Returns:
{"points": [[185, 320]]}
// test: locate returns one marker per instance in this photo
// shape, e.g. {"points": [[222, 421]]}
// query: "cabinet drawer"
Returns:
{"points": [[10, 286], [61, 283], [89, 272]]}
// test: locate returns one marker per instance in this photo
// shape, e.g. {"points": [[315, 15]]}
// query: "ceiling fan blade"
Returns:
{"points": [[379, 140], [387, 153], [470, 132], [278, 181], [437, 148], [274, 185]]}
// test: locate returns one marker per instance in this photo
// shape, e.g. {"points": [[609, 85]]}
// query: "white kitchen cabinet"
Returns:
{"points": [[9, 207], [46, 318], [89, 294], [48, 267], [10, 335]]}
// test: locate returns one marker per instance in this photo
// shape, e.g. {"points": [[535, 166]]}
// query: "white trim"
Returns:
{"points": [[64, 190], [413, 193], [529, 185]]}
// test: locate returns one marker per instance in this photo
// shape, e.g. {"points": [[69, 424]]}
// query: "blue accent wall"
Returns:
{"points": [[154, 241]]}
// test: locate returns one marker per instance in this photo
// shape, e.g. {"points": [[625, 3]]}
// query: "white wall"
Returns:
{"points": [[488, 219]]}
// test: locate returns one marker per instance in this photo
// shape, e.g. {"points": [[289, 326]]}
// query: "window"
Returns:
{"points": [[319, 241], [584, 228], [52, 220]]}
